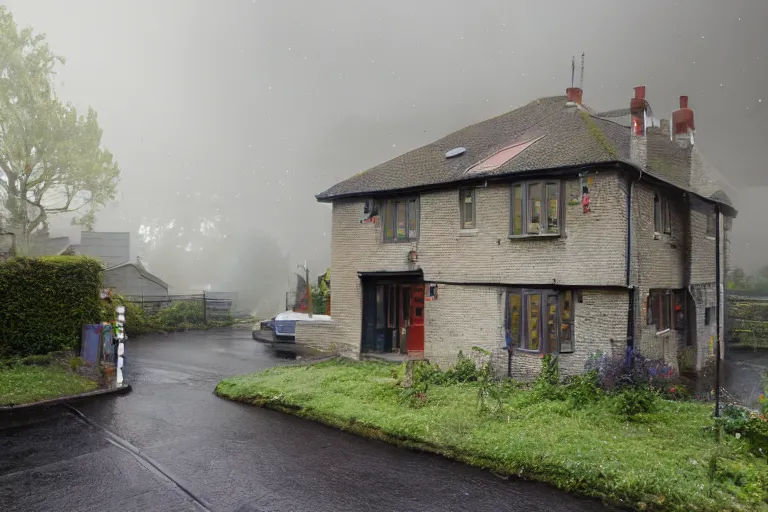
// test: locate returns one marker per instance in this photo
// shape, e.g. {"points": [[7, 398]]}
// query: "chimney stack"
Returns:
{"points": [[683, 127], [638, 145], [637, 107], [574, 95]]}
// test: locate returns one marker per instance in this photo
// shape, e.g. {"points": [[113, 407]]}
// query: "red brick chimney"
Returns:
{"points": [[574, 95], [683, 127], [637, 106], [638, 144]]}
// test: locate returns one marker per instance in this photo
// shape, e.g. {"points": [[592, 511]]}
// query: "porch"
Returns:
{"points": [[393, 315]]}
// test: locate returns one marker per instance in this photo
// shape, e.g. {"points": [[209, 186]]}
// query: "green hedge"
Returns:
{"points": [[748, 310], [44, 303]]}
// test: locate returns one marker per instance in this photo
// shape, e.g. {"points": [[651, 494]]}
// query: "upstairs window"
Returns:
{"points": [[535, 208], [662, 220], [540, 320], [711, 225], [467, 208], [400, 220]]}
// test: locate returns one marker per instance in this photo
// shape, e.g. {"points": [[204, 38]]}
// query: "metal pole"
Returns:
{"points": [[309, 291], [205, 309], [717, 310]]}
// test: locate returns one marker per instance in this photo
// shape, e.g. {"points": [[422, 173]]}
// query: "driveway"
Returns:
{"points": [[173, 445]]}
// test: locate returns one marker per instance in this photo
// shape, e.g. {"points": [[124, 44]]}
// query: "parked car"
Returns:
{"points": [[282, 327]]}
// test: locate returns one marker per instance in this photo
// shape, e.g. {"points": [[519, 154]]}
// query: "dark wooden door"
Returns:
{"points": [[369, 317]]}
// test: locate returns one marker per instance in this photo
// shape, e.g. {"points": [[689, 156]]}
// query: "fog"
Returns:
{"points": [[239, 111]]}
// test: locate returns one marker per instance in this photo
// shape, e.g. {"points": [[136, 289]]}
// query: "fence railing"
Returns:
{"points": [[213, 308]]}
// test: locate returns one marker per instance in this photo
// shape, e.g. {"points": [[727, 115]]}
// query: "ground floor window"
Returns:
{"points": [[666, 309], [540, 320]]}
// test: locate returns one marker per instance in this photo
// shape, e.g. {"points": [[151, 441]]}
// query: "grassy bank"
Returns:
{"points": [[26, 382], [666, 459]]}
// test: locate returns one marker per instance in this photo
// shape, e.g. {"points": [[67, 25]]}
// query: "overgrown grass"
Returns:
{"points": [[666, 459], [23, 383]]}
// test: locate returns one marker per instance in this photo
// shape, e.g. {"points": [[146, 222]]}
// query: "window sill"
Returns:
{"points": [[406, 241], [468, 232], [539, 352], [533, 237]]}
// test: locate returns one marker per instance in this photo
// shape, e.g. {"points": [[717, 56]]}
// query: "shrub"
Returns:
{"points": [[465, 370], [37, 360], [76, 362], [179, 315], [743, 424], [45, 303], [584, 389], [631, 402]]}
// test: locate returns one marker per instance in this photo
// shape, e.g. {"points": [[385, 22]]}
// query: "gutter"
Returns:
{"points": [[563, 171], [718, 285], [630, 286]]}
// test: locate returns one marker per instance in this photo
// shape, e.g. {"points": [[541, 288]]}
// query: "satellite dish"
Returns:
{"points": [[455, 152]]}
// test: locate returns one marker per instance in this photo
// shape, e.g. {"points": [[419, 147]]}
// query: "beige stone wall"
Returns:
{"points": [[464, 316], [658, 262], [472, 269], [591, 251]]}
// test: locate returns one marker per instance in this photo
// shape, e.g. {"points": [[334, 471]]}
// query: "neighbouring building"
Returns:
{"points": [[553, 228], [134, 281]]}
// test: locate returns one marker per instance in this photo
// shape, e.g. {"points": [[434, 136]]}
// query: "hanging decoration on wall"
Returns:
{"points": [[585, 200]]}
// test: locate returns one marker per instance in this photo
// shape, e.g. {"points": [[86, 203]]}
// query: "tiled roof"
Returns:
{"points": [[563, 135]]}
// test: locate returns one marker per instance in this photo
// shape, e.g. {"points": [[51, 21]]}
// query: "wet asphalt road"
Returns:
{"points": [[232, 457]]}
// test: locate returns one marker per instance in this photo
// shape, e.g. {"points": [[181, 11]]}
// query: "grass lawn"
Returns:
{"points": [[21, 384], [665, 460]]}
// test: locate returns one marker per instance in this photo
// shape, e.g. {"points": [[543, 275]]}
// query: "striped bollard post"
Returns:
{"points": [[120, 345]]}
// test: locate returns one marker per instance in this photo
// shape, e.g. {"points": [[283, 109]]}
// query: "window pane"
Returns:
{"points": [[517, 210], [533, 306], [666, 311], [655, 307], [553, 201], [515, 317], [413, 219], [389, 221], [467, 209], [551, 326], [566, 321], [534, 208], [657, 214], [400, 220], [667, 219]]}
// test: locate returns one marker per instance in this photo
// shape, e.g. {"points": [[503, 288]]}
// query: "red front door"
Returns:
{"points": [[415, 338]]}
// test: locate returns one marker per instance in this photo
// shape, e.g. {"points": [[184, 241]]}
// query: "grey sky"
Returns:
{"points": [[267, 103]]}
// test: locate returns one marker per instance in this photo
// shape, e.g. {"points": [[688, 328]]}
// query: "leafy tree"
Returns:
{"points": [[51, 160]]}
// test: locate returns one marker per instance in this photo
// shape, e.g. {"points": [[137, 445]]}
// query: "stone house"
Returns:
{"points": [[553, 228]]}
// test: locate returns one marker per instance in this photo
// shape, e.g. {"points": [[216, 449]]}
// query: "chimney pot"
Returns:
{"points": [[683, 101], [640, 92], [574, 95]]}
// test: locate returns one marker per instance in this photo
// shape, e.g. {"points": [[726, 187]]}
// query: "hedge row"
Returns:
{"points": [[45, 301], [748, 310]]}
